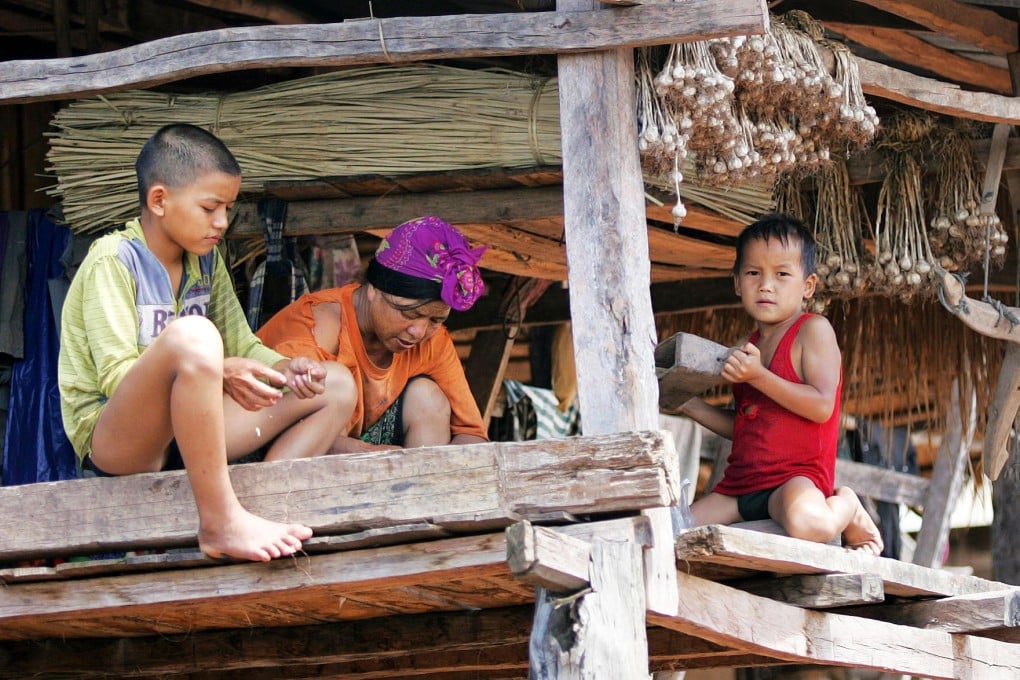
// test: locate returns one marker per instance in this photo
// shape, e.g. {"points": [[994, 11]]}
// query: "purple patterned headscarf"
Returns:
{"points": [[428, 258]]}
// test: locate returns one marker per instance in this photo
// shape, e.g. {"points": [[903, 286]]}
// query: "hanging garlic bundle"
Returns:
{"points": [[837, 227], [856, 122], [904, 262], [692, 86], [959, 233], [662, 140]]}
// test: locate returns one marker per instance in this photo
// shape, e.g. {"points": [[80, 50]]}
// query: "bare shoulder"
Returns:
{"points": [[817, 336], [328, 320]]}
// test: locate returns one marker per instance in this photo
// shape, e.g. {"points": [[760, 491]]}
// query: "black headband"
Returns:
{"points": [[402, 285]]}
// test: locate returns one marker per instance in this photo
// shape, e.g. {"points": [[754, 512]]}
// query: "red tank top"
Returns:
{"points": [[771, 445]]}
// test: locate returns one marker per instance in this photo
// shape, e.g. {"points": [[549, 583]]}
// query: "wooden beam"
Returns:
{"points": [[908, 49], [805, 636], [882, 484], [454, 487], [546, 558], [375, 41], [466, 573], [264, 10], [933, 95], [817, 591], [995, 614], [745, 552], [554, 307], [972, 25]]}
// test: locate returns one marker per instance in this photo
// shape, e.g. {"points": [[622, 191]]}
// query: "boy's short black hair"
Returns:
{"points": [[177, 154], [784, 228]]}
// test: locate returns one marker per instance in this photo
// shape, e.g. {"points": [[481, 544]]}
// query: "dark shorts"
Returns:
{"points": [[173, 462], [755, 505]]}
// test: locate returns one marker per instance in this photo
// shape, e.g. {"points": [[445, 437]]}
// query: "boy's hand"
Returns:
{"points": [[744, 364], [245, 380], [305, 377]]}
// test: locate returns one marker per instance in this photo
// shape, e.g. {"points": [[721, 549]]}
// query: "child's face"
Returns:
{"points": [[195, 216], [771, 282]]}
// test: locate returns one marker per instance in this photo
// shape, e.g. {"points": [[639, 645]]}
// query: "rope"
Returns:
{"points": [[536, 149], [382, 38]]}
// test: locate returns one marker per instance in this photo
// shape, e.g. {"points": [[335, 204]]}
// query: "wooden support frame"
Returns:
{"points": [[805, 636]]}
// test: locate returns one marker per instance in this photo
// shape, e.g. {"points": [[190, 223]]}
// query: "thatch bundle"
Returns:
{"points": [[381, 120], [400, 120]]}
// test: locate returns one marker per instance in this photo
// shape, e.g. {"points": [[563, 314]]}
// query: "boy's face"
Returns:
{"points": [[771, 282], [194, 217]]}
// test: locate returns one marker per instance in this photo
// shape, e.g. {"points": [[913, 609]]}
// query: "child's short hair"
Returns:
{"points": [[176, 154], [784, 228]]}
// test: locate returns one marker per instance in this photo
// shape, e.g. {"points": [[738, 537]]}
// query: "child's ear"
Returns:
{"points": [[810, 283], [155, 200], [736, 285]]}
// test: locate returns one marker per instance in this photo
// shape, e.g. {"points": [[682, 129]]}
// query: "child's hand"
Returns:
{"points": [[306, 378], [744, 364], [251, 383]]}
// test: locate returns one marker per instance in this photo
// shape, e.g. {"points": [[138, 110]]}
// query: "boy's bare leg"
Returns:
{"points": [[801, 508], [297, 428], [715, 508], [426, 414], [175, 390], [861, 533]]}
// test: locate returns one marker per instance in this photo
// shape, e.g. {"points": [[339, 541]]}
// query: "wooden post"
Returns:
{"points": [[947, 479], [597, 633], [606, 236]]}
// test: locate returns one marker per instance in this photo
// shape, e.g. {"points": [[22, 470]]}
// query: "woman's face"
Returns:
{"points": [[401, 323]]}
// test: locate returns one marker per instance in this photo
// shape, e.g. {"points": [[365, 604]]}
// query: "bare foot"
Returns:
{"points": [[861, 533], [250, 537]]}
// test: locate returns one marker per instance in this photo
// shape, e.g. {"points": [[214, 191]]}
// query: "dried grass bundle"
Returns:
{"points": [[391, 120]]}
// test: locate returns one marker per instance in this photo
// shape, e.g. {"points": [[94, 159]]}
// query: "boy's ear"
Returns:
{"points": [[155, 200], [810, 283], [736, 285]]}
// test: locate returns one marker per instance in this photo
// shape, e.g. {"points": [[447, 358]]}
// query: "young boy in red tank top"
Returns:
{"points": [[786, 380]]}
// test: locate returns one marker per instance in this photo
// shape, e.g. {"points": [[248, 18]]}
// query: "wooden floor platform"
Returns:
{"points": [[429, 594]]}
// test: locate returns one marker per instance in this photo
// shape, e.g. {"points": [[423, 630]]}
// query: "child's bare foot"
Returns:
{"points": [[250, 537], [861, 533]]}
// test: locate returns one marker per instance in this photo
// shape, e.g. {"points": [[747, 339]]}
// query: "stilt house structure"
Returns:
{"points": [[544, 559]]}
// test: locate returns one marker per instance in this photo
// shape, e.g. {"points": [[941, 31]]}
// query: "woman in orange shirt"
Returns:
{"points": [[389, 332]]}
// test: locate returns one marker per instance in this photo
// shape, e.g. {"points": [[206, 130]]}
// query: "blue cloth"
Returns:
{"points": [[36, 448]]}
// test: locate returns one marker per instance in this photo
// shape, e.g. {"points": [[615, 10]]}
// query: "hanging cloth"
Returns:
{"points": [[35, 446], [277, 281]]}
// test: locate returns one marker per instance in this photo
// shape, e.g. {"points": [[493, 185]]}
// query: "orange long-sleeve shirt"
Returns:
{"points": [[291, 332]]}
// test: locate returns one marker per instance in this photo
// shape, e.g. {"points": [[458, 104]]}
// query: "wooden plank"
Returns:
{"points": [[485, 368], [601, 634], [554, 306], [547, 559], [933, 95], [688, 365], [817, 591], [994, 614], [708, 610], [752, 551], [903, 47], [374, 41], [454, 487], [993, 168], [466, 573], [496, 637], [972, 25], [882, 484]]}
